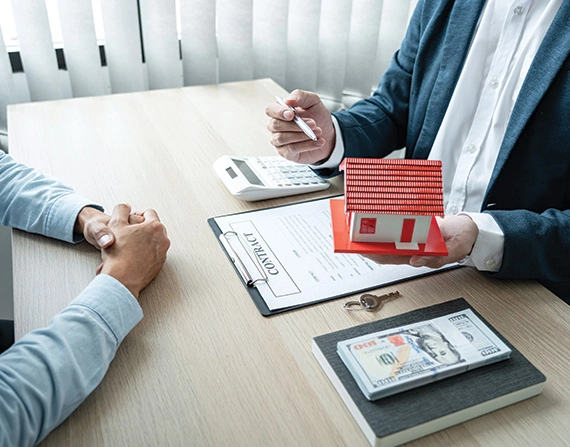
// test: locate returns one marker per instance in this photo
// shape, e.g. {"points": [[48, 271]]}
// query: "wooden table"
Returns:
{"points": [[204, 368]]}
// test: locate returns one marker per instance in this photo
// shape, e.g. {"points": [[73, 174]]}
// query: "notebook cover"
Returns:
{"points": [[411, 408]]}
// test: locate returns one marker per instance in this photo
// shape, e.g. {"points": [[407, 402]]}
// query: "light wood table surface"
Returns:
{"points": [[204, 368]]}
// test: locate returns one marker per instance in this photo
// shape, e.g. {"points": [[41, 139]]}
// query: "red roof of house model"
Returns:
{"points": [[393, 186]]}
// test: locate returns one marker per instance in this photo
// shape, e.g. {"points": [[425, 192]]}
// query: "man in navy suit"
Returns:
{"points": [[484, 86]]}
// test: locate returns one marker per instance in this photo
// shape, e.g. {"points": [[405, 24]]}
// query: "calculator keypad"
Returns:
{"points": [[277, 171]]}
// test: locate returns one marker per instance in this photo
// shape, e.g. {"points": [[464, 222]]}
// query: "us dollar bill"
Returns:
{"points": [[391, 361]]}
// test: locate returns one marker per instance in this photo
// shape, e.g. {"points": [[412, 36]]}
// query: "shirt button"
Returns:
{"points": [[518, 10], [493, 83], [453, 209], [471, 148], [490, 262]]}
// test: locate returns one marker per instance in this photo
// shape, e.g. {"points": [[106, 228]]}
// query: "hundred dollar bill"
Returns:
{"points": [[391, 361]]}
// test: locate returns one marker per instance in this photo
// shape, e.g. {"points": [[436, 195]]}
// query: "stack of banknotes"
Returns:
{"points": [[395, 360]]}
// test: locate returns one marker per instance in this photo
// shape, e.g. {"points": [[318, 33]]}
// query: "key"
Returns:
{"points": [[373, 303]]}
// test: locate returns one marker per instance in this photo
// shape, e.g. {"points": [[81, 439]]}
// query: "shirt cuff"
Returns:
{"points": [[487, 253], [63, 215], [113, 302], [338, 152]]}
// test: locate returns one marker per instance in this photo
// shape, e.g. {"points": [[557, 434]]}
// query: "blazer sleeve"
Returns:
{"points": [[536, 244]]}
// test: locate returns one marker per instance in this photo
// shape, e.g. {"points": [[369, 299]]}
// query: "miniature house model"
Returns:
{"points": [[392, 200]]}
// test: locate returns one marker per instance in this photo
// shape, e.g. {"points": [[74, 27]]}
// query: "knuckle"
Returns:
{"points": [[277, 139], [272, 125]]}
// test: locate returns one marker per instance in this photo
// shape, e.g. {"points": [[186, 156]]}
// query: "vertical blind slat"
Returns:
{"points": [[36, 49], [161, 43], [362, 44], [199, 46], [333, 46], [123, 45], [235, 46], [270, 39], [7, 94], [393, 25], [80, 47], [413, 4], [303, 44]]}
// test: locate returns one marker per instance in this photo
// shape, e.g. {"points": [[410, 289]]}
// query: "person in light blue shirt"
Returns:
{"points": [[49, 372]]}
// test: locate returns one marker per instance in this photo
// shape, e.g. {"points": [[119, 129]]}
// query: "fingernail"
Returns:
{"points": [[104, 240], [288, 115]]}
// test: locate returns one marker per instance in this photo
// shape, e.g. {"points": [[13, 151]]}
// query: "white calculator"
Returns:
{"points": [[260, 178]]}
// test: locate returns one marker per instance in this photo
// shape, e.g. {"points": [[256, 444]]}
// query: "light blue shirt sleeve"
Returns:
{"points": [[34, 202], [49, 372]]}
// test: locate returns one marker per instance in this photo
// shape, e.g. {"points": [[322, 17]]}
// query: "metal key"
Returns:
{"points": [[375, 302], [371, 303]]}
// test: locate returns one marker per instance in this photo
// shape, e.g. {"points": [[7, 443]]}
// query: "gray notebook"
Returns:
{"points": [[415, 413]]}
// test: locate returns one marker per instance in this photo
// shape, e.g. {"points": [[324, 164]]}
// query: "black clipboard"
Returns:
{"points": [[249, 281]]}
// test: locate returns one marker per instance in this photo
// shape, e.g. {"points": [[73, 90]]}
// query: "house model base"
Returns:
{"points": [[433, 246]]}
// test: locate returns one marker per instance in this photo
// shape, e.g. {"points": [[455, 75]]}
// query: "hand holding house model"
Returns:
{"points": [[389, 207]]}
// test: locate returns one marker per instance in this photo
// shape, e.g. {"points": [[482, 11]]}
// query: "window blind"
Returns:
{"points": [[36, 49], [160, 42], [338, 49], [123, 45], [7, 92], [80, 46]]}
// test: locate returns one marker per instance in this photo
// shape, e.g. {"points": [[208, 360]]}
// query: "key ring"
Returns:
{"points": [[352, 306]]}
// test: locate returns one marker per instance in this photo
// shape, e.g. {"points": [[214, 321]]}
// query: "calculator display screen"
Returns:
{"points": [[247, 172], [231, 172]]}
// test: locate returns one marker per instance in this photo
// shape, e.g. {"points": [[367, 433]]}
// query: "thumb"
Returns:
{"points": [[302, 99], [100, 235], [105, 238], [419, 261]]}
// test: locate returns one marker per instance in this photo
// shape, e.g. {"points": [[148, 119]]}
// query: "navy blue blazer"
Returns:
{"points": [[529, 191]]}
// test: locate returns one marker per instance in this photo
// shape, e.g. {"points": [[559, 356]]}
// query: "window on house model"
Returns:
{"points": [[368, 225]]}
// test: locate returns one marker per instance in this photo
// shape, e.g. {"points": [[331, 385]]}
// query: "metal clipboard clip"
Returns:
{"points": [[247, 277]]}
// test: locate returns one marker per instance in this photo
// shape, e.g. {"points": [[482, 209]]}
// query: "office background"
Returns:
{"points": [[59, 49]]}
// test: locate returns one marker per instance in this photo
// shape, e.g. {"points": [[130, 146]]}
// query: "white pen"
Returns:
{"points": [[298, 120]]}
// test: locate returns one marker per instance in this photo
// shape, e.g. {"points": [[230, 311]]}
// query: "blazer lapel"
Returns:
{"points": [[462, 24], [553, 51]]}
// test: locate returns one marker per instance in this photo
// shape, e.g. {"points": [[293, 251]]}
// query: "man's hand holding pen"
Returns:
{"points": [[289, 137]]}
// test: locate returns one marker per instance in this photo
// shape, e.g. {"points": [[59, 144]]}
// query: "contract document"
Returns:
{"points": [[285, 257]]}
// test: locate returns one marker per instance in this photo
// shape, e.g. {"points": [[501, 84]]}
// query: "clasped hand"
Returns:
{"points": [[133, 244]]}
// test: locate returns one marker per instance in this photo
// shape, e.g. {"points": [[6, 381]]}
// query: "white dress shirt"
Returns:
{"points": [[507, 38]]}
